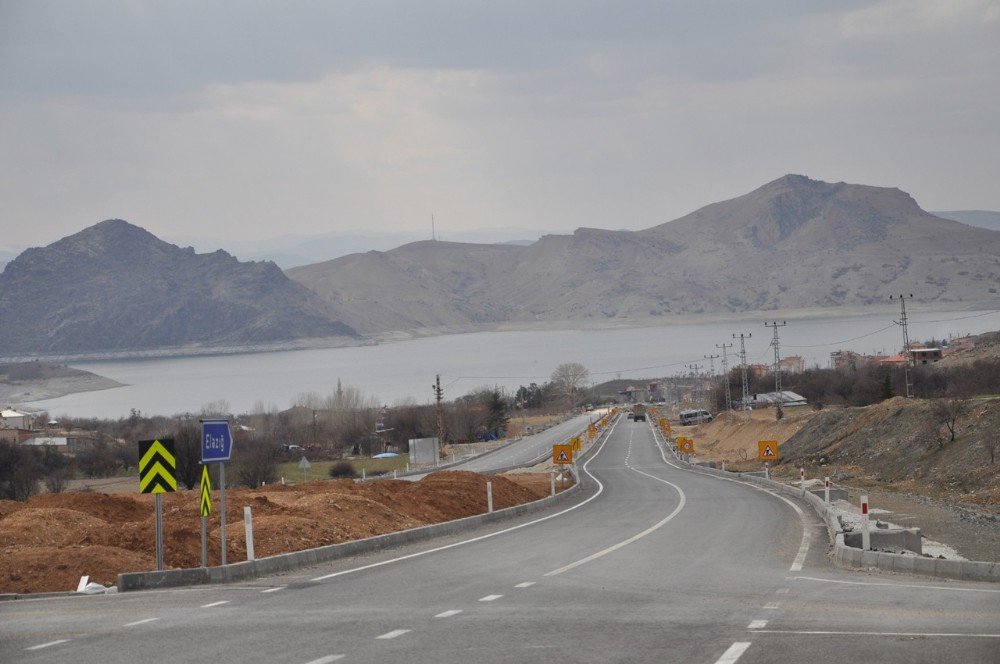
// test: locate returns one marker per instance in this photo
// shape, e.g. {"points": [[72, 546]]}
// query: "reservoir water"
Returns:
{"points": [[405, 370]]}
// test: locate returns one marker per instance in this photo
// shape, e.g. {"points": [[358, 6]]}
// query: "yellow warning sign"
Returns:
{"points": [[157, 466], [562, 454], [574, 443], [767, 450], [685, 445], [206, 492]]}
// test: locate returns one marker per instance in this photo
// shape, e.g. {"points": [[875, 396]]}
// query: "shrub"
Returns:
{"points": [[342, 469]]}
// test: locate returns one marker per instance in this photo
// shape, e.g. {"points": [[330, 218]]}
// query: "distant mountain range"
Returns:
{"points": [[116, 287], [980, 218], [794, 243]]}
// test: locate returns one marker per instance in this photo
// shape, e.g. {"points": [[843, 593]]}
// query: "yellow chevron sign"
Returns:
{"points": [[206, 492], [157, 466]]}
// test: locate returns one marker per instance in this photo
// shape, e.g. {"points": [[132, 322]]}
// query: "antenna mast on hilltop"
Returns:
{"points": [[433, 233], [906, 342]]}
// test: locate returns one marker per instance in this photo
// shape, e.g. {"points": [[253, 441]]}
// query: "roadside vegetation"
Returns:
{"points": [[345, 426]]}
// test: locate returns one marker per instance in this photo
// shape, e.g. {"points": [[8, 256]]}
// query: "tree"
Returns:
{"points": [[187, 452], [497, 418], [256, 463], [19, 472], [567, 380], [947, 412]]}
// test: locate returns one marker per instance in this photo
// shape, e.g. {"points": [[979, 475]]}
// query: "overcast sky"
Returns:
{"points": [[253, 120]]}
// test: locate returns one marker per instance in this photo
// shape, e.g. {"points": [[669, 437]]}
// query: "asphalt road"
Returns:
{"points": [[527, 450], [651, 564]]}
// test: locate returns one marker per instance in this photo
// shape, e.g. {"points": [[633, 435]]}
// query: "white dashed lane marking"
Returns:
{"points": [[209, 606], [526, 584], [46, 645], [140, 622], [274, 590], [393, 634], [490, 598], [327, 659], [757, 624], [448, 614], [734, 652]]}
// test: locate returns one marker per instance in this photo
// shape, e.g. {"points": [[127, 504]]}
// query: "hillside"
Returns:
{"points": [[981, 218], [114, 287], [793, 243]]}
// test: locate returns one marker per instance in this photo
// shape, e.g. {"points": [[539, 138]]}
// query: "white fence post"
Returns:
{"points": [[248, 526], [489, 497], [866, 537]]}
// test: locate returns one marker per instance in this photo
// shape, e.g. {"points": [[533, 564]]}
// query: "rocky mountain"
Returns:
{"points": [[793, 243], [115, 286]]}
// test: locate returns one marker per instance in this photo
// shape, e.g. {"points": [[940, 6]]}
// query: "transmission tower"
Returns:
{"points": [[711, 373], [725, 374], [906, 342], [743, 365], [777, 365], [439, 408]]}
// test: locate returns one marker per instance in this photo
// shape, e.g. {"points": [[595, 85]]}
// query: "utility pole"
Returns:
{"points": [[711, 373], [695, 370], [906, 342], [743, 365], [777, 366], [725, 376], [439, 409]]}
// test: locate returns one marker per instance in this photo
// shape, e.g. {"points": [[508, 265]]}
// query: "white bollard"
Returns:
{"points": [[407, 466], [802, 479], [866, 537], [393, 473], [723, 466], [362, 474], [489, 497], [767, 470], [826, 489], [552, 480], [248, 527]]}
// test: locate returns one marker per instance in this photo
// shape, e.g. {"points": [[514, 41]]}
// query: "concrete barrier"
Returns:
{"points": [[285, 562]]}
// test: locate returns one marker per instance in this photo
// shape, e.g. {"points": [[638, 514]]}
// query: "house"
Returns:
{"points": [[59, 443], [925, 355], [12, 419], [792, 364]]}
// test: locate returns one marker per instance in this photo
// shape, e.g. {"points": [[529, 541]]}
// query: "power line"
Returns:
{"points": [[743, 366]]}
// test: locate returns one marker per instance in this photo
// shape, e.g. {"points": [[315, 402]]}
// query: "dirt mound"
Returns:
{"points": [[72, 534], [734, 439]]}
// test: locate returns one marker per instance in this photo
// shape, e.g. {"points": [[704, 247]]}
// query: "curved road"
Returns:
{"points": [[652, 564]]}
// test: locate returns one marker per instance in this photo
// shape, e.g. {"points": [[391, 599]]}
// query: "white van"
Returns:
{"points": [[695, 416]]}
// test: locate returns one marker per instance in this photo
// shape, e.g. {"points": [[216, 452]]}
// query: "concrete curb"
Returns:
{"points": [[285, 562], [846, 556]]}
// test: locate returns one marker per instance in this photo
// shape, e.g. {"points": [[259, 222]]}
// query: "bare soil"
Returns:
{"points": [[47, 543]]}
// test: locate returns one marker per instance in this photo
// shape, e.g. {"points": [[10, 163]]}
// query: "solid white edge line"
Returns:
{"points": [[894, 585], [46, 645], [800, 557], [630, 540], [600, 490], [209, 606], [139, 622], [393, 634], [449, 613], [734, 653], [817, 632]]}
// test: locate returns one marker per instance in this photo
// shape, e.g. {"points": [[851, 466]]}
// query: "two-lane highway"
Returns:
{"points": [[652, 563]]}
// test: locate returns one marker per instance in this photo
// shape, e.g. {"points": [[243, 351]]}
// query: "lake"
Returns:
{"points": [[405, 370]]}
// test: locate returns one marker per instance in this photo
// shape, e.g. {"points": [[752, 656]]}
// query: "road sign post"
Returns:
{"points": [[157, 475], [217, 447], [206, 509]]}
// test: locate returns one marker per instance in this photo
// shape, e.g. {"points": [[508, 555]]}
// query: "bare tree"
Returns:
{"points": [[568, 379], [946, 412]]}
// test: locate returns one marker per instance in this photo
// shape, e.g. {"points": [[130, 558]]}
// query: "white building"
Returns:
{"points": [[11, 419]]}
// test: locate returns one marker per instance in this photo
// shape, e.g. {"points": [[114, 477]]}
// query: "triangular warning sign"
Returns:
{"points": [[768, 452], [563, 457]]}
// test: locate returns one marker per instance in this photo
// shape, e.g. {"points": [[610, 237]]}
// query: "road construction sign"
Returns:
{"points": [[574, 442], [206, 492], [685, 445], [157, 466], [767, 450], [562, 454]]}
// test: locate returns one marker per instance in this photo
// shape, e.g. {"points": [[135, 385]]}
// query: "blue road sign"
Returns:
{"points": [[216, 441]]}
